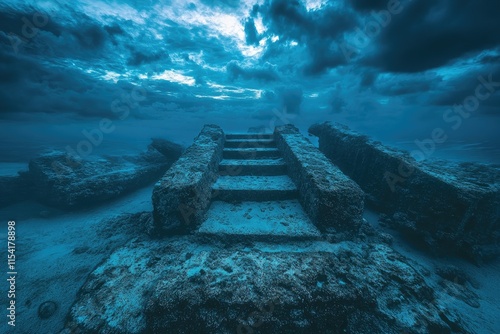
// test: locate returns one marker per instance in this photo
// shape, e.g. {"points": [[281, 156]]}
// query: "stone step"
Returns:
{"points": [[249, 136], [250, 153], [263, 167], [271, 221], [249, 143], [253, 188]]}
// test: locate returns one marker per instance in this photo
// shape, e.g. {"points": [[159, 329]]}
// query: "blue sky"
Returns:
{"points": [[390, 68]]}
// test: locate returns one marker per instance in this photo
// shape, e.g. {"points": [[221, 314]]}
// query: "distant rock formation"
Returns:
{"points": [[59, 180], [448, 206]]}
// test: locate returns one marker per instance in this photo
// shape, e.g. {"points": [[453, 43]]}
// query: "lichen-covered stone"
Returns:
{"points": [[330, 198], [447, 205], [58, 179], [182, 196], [180, 286]]}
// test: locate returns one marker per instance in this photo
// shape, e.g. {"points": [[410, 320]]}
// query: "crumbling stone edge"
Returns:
{"points": [[330, 198], [182, 196]]}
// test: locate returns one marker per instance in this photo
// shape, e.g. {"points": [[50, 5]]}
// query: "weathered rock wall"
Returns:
{"points": [[182, 196], [449, 206], [59, 180], [330, 198]]}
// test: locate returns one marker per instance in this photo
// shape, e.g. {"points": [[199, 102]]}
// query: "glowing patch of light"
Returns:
{"points": [[214, 85], [197, 58], [275, 38], [314, 95], [454, 71], [142, 76], [314, 4], [294, 43], [259, 25], [217, 24], [217, 97], [251, 51], [156, 34], [111, 76], [255, 93], [175, 76]]}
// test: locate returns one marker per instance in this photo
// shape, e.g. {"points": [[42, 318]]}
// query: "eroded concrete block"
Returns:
{"points": [[330, 198], [448, 205], [182, 196]]}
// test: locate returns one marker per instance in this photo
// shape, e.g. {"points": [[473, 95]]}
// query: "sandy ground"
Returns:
{"points": [[482, 320], [56, 251]]}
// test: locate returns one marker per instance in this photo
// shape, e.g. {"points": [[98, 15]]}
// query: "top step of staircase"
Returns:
{"points": [[249, 136]]}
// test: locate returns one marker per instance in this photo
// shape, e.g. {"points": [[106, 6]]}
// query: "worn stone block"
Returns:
{"points": [[61, 180], [330, 198], [182, 196], [448, 205]]}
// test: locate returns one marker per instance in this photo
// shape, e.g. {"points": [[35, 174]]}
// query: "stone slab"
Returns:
{"points": [[183, 194], [331, 199]]}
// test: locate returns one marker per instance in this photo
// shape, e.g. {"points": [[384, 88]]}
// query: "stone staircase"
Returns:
{"points": [[253, 197]]}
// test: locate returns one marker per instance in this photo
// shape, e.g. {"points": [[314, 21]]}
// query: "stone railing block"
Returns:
{"points": [[329, 197], [182, 196]]}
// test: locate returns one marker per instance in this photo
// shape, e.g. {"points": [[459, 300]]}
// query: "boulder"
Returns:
{"points": [[330, 198], [60, 180], [182, 196], [448, 206]]}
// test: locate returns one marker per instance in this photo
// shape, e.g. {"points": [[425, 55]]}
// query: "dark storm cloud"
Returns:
{"points": [[138, 58], [235, 72], [91, 36], [431, 33], [368, 78], [26, 22], [318, 30], [484, 83], [51, 90], [404, 86], [368, 5], [251, 34]]}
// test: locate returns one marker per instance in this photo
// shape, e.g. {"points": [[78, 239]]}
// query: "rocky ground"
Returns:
{"points": [[179, 285]]}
